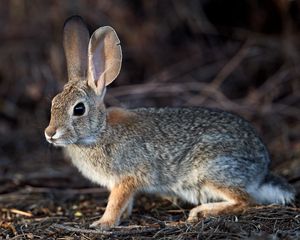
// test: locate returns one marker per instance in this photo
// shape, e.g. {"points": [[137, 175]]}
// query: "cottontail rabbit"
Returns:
{"points": [[203, 156]]}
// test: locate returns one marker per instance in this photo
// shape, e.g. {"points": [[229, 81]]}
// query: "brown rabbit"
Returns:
{"points": [[203, 156]]}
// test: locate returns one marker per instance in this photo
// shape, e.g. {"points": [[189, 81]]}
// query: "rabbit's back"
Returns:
{"points": [[213, 131], [173, 142]]}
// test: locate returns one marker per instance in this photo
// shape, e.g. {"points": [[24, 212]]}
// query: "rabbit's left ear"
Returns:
{"points": [[104, 58], [76, 40]]}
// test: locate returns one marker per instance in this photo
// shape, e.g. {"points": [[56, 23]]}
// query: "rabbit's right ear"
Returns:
{"points": [[76, 40], [104, 58]]}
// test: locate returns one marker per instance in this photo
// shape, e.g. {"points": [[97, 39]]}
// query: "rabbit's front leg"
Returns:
{"points": [[128, 210], [121, 195]]}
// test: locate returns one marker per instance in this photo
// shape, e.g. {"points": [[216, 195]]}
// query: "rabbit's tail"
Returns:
{"points": [[274, 189]]}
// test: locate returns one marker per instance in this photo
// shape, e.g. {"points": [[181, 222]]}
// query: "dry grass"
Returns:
{"points": [[66, 214]]}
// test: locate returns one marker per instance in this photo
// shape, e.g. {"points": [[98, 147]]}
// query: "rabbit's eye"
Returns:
{"points": [[79, 109]]}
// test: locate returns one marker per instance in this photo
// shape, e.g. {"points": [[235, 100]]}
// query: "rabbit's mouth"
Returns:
{"points": [[59, 142], [57, 138], [62, 141]]}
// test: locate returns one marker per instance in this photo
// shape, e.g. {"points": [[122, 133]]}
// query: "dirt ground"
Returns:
{"points": [[234, 56]]}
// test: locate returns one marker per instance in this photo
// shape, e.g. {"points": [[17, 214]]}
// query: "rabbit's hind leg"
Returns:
{"points": [[234, 200]]}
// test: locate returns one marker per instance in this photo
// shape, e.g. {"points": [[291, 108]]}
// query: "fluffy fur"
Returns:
{"points": [[203, 156]]}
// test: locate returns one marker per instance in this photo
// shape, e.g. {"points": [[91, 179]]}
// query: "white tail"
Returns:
{"points": [[274, 190]]}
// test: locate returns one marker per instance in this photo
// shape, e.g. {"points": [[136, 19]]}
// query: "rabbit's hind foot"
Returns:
{"points": [[235, 200]]}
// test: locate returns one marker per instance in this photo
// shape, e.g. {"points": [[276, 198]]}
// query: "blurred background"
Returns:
{"points": [[238, 55]]}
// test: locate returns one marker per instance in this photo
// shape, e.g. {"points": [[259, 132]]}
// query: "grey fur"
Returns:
{"points": [[164, 147]]}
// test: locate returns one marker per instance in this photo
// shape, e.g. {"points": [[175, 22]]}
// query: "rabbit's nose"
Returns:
{"points": [[50, 132]]}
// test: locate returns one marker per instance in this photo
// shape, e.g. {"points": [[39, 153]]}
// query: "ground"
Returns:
{"points": [[53, 213]]}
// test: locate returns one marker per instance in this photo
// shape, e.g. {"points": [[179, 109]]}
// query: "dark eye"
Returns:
{"points": [[79, 109]]}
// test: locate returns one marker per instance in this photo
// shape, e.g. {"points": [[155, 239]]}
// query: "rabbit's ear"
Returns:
{"points": [[76, 40], [105, 58]]}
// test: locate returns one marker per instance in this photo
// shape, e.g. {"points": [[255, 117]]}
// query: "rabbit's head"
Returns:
{"points": [[78, 113]]}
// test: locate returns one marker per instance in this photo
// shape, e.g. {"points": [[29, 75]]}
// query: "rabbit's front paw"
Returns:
{"points": [[104, 223]]}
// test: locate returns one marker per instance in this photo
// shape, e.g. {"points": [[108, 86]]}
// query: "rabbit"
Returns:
{"points": [[207, 157]]}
